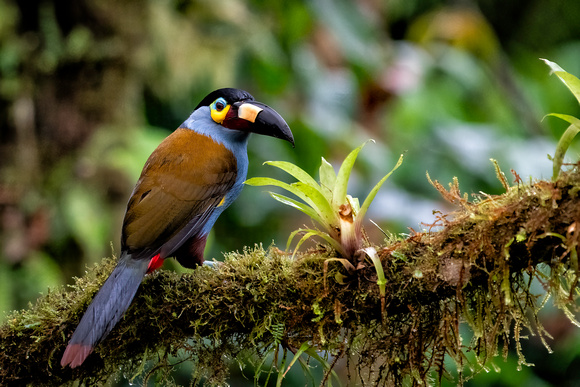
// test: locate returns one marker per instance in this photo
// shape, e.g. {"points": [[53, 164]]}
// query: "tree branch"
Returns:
{"points": [[475, 269]]}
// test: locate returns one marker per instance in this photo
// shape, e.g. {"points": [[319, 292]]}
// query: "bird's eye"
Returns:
{"points": [[219, 110], [219, 104]]}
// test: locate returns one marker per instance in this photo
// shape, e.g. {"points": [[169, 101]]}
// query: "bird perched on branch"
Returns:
{"points": [[186, 183]]}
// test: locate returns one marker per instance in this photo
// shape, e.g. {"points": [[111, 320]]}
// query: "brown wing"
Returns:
{"points": [[183, 180]]}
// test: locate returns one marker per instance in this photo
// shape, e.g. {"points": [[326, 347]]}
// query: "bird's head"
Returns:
{"points": [[237, 110]]}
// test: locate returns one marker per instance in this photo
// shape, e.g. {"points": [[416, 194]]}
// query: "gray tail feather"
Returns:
{"points": [[106, 309]]}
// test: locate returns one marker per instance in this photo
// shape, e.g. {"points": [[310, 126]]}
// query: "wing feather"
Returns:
{"points": [[182, 182]]}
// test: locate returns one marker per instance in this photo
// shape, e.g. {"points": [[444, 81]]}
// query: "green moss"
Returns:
{"points": [[475, 271]]}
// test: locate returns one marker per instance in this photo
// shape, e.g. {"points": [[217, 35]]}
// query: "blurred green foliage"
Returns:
{"points": [[89, 88]]}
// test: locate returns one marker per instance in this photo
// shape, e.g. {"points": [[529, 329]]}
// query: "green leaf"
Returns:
{"points": [[299, 206], [258, 369], [568, 79], [354, 204], [564, 142], [295, 189], [262, 181], [327, 367], [304, 238], [319, 203], [310, 188], [375, 190], [309, 194], [295, 171], [327, 179], [371, 252], [340, 186], [297, 355], [291, 238], [310, 233], [568, 118]]}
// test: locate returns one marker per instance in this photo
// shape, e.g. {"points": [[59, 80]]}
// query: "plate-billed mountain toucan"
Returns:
{"points": [[186, 183]]}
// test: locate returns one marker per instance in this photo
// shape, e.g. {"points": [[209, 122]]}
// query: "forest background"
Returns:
{"points": [[89, 88]]}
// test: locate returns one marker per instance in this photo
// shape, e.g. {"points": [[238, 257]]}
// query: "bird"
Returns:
{"points": [[186, 183]]}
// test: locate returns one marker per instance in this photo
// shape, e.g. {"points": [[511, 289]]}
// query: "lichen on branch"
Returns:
{"points": [[472, 268]]}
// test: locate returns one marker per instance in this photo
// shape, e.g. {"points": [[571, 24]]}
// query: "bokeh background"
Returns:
{"points": [[88, 88]]}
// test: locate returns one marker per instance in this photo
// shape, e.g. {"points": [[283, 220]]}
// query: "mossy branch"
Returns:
{"points": [[476, 269]]}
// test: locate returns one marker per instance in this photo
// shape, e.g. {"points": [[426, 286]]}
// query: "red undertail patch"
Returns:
{"points": [[155, 263]]}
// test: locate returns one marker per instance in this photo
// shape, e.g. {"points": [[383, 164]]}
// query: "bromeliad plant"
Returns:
{"points": [[338, 215], [573, 84]]}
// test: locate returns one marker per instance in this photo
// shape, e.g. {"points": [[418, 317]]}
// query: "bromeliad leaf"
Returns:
{"points": [[568, 118], [299, 206], [327, 179], [295, 171], [308, 232], [568, 79], [292, 188], [340, 186], [354, 204], [573, 84], [564, 142], [311, 196], [339, 215], [371, 252], [310, 190], [319, 203]]}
